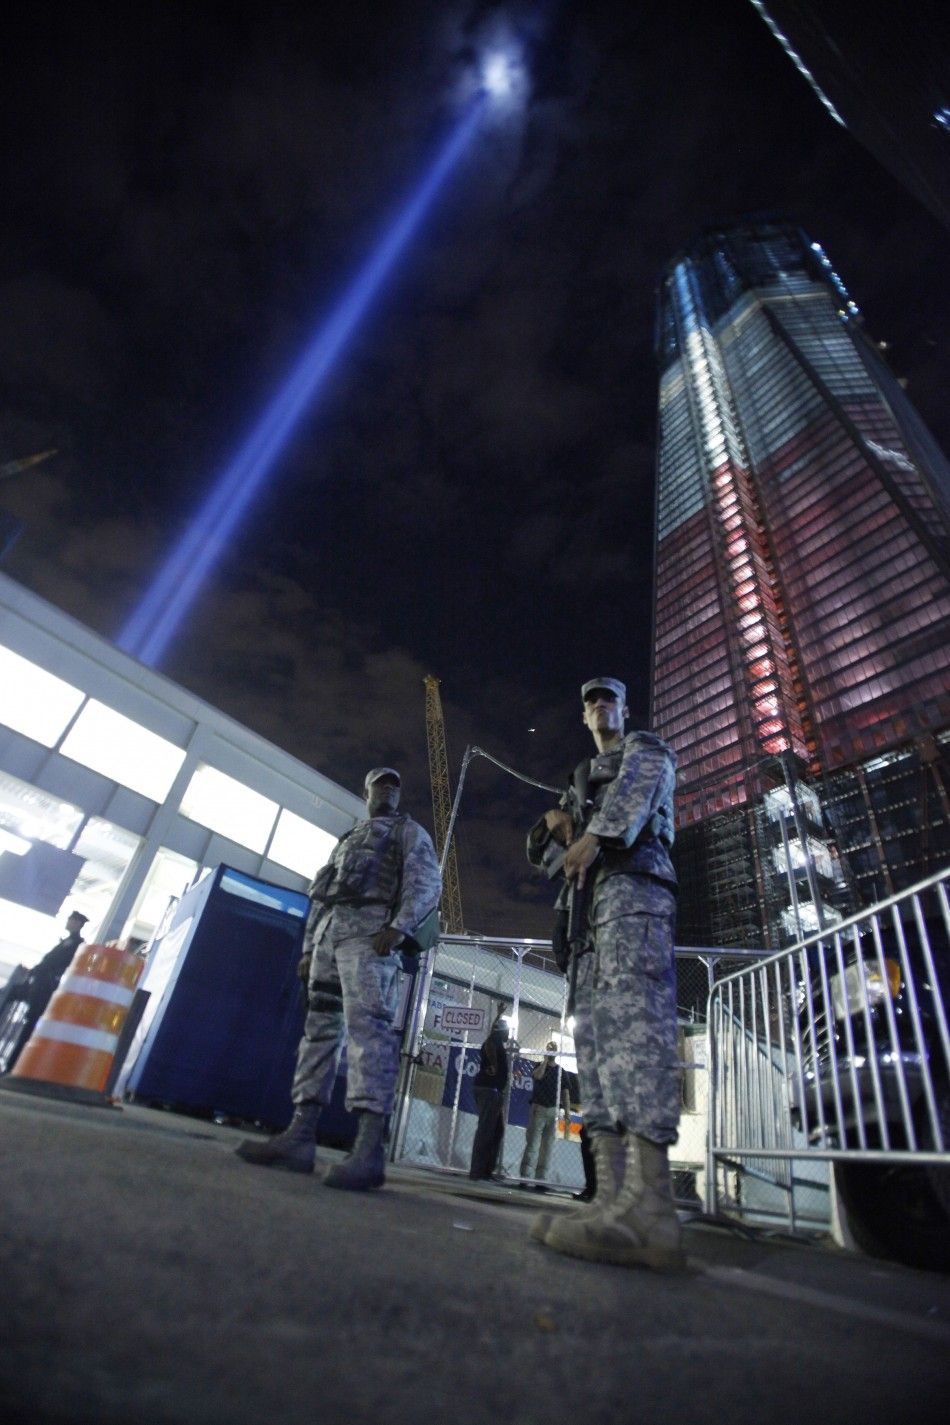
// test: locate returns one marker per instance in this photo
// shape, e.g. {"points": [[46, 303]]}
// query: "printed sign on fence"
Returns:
{"points": [[460, 1019], [435, 1009]]}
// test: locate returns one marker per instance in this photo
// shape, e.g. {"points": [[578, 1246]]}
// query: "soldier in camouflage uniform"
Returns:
{"points": [[616, 823], [379, 885]]}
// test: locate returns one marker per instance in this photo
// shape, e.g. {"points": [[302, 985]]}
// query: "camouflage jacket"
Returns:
{"points": [[383, 872], [628, 804]]}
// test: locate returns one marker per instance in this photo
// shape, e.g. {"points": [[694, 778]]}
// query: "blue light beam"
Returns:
{"points": [[165, 603]]}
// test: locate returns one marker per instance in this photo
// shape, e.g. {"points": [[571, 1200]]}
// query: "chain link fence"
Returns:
{"points": [[14, 1013], [466, 985]]}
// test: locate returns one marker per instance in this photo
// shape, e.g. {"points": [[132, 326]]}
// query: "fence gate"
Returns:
{"points": [[465, 984]]}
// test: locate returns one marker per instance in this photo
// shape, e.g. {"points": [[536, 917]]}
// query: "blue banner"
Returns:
{"points": [[521, 1084]]}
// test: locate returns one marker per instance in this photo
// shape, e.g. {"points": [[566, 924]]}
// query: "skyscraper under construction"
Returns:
{"points": [[802, 598]]}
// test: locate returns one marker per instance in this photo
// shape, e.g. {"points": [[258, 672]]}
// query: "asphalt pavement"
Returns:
{"points": [[150, 1277]]}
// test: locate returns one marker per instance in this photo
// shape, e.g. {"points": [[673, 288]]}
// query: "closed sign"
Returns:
{"points": [[437, 1006], [459, 1019]]}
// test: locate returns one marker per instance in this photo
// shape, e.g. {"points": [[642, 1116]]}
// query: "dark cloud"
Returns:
{"points": [[57, 339]]}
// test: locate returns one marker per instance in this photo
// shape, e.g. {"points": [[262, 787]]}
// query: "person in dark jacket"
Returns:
{"points": [[489, 1088], [40, 984], [542, 1114]]}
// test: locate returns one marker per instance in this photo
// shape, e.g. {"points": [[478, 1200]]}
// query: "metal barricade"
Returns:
{"points": [[698, 968], [14, 1012], [466, 983], [833, 1052]]}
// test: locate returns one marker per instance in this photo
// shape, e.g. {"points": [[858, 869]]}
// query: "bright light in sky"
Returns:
{"points": [[176, 585], [502, 75], [497, 86], [497, 75]]}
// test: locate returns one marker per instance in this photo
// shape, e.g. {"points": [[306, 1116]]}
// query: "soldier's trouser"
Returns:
{"points": [[539, 1137], [625, 1028], [352, 992]]}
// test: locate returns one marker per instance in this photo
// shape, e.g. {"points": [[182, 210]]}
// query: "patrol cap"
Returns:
{"points": [[613, 685], [374, 774]]}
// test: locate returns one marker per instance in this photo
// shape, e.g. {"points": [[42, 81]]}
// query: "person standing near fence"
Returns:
{"points": [[488, 1087], [614, 830], [542, 1114], [41, 983]]}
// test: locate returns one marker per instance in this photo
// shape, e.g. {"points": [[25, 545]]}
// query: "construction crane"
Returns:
{"points": [[442, 807], [17, 467], [10, 527]]}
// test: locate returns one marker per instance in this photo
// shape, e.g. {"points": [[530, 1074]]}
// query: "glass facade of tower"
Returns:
{"points": [[883, 76], [802, 606]]}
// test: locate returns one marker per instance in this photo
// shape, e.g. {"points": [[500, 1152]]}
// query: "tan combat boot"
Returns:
{"points": [[609, 1154], [294, 1150], [365, 1167], [639, 1228]]}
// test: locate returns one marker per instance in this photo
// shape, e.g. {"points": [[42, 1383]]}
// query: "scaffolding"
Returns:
{"points": [[891, 817]]}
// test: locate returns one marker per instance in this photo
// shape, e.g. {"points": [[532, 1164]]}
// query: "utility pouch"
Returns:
{"points": [[425, 935]]}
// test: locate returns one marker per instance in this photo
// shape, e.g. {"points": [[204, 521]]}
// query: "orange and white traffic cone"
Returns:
{"points": [[74, 1043]]}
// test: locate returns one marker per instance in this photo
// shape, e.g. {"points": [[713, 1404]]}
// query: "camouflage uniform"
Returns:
{"points": [[625, 1000], [383, 872]]}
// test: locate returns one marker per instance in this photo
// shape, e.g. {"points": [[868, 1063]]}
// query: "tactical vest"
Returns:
{"points": [[366, 865], [650, 853]]}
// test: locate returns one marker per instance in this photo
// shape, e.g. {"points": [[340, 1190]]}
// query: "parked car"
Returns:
{"points": [[876, 1076]]}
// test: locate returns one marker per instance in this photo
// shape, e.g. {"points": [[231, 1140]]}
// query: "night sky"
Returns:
{"points": [[186, 189]]}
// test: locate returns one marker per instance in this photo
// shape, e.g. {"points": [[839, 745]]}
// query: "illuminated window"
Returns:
{"points": [[168, 878], [299, 845], [225, 805], [26, 935], [30, 817], [29, 814], [33, 701], [16, 845], [123, 751], [107, 851]]}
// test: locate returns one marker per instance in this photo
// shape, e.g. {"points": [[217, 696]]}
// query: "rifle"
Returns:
{"points": [[578, 934], [570, 938], [578, 905]]}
